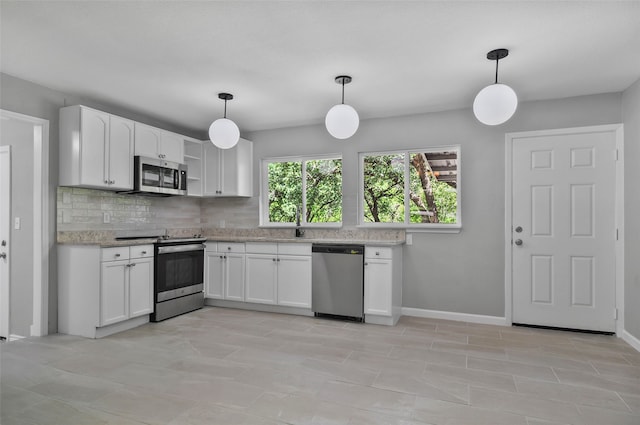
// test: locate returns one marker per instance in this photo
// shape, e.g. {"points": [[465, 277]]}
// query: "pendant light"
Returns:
{"points": [[342, 120], [223, 132], [496, 103]]}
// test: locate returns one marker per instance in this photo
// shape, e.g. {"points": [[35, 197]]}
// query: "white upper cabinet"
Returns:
{"points": [[96, 149], [228, 172], [156, 143]]}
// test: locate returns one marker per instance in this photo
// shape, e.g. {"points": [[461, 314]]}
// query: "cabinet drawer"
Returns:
{"points": [[115, 253], [294, 248], [230, 247], [378, 252], [262, 248], [141, 251], [211, 246]]}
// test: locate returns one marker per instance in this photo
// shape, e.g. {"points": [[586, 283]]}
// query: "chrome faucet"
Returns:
{"points": [[299, 231]]}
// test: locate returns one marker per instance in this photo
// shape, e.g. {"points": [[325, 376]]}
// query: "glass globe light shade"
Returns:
{"points": [[342, 121], [495, 104], [224, 133]]}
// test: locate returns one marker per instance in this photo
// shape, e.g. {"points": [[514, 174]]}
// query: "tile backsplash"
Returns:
{"points": [[90, 209], [103, 212]]}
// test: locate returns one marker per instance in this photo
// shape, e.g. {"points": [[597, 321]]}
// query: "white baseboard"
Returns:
{"points": [[458, 317], [14, 337], [631, 340]]}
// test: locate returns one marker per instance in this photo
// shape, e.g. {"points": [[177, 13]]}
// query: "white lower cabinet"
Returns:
{"points": [[104, 290], [279, 273], [382, 284], [114, 296], [294, 280], [263, 273], [126, 283], [224, 271]]}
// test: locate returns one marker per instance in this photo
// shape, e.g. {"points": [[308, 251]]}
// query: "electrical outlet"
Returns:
{"points": [[409, 239], [16, 223], [106, 217]]}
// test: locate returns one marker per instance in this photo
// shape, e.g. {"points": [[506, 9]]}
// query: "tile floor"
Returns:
{"points": [[224, 366]]}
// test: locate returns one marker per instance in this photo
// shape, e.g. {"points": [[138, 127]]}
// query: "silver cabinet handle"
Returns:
{"points": [[366, 264], [132, 265], [518, 242], [144, 252], [273, 259], [3, 255], [117, 255], [106, 182], [377, 253]]}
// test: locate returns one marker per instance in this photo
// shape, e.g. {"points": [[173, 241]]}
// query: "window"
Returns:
{"points": [[311, 186], [413, 189]]}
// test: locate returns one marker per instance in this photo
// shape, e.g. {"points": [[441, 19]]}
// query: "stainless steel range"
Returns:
{"points": [[178, 277]]}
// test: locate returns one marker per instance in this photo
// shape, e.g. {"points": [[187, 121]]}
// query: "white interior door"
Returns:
{"points": [[564, 230], [5, 214]]}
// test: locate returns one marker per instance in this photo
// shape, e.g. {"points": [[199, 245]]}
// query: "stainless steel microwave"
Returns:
{"points": [[158, 177]]}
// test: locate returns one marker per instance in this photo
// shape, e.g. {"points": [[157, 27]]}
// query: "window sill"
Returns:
{"points": [[443, 228], [302, 226]]}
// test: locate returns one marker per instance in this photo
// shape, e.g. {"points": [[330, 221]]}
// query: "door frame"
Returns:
{"points": [[5, 288], [510, 138], [41, 240]]}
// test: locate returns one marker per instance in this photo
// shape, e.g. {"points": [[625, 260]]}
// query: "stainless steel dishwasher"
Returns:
{"points": [[337, 280]]}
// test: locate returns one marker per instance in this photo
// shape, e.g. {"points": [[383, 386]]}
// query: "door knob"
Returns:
{"points": [[518, 242], [518, 229]]}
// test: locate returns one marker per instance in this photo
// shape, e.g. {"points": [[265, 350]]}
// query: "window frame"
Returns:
{"points": [[264, 191], [407, 225]]}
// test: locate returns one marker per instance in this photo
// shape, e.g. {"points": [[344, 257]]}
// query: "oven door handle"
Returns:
{"points": [[180, 248]]}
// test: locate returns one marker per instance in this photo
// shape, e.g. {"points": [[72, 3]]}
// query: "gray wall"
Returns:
{"points": [[27, 98], [19, 135], [449, 272], [631, 119]]}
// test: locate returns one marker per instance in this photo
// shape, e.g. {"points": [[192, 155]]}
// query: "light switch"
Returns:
{"points": [[16, 223], [409, 239]]}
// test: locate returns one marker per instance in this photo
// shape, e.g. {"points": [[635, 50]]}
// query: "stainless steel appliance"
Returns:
{"points": [[337, 280], [158, 177], [178, 277]]}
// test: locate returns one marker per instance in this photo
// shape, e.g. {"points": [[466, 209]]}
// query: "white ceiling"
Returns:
{"points": [[169, 59]]}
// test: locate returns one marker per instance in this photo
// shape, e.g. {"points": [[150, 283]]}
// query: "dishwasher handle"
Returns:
{"points": [[338, 249]]}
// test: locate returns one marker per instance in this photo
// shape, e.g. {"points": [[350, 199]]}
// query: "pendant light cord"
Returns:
{"points": [[225, 105], [343, 91], [497, 60]]}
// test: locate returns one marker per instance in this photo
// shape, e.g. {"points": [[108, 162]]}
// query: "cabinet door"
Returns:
{"points": [[93, 151], [114, 294], [120, 153], [236, 170], [228, 171], [234, 280], [214, 274], [147, 140], [261, 278], [141, 287], [294, 280], [211, 172], [378, 278], [172, 147]]}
